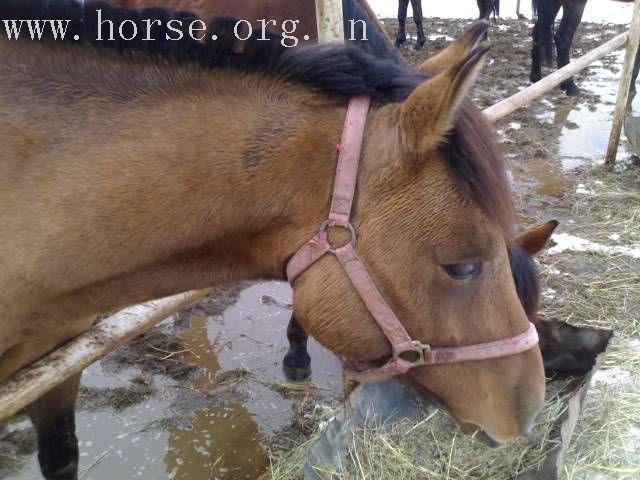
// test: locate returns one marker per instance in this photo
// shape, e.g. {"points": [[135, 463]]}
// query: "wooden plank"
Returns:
{"points": [[624, 86], [105, 336], [527, 95], [329, 20]]}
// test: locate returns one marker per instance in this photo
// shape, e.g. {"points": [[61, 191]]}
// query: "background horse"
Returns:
{"points": [[543, 36], [486, 7]]}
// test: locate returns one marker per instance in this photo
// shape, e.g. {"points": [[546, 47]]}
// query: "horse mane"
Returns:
{"points": [[377, 43], [340, 69], [344, 70], [525, 277]]}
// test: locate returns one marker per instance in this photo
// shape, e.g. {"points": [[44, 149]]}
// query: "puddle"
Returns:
{"points": [[568, 134], [196, 428]]}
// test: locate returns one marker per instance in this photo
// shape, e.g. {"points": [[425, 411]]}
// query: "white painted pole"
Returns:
{"points": [[624, 86], [108, 334], [525, 96], [329, 21]]}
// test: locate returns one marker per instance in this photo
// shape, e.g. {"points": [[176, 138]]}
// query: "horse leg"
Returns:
{"points": [[541, 37], [571, 17], [518, 14], [297, 362], [416, 6], [401, 36], [634, 73], [484, 9], [53, 416]]}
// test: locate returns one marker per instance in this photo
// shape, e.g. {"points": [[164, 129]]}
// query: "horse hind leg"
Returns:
{"points": [[484, 9], [634, 73], [401, 36], [297, 362], [571, 18], [541, 50], [53, 416], [416, 6]]}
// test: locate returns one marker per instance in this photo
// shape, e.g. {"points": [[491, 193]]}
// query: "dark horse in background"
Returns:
{"points": [[486, 7], [543, 36]]}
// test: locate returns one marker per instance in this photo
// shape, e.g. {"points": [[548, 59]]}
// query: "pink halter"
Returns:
{"points": [[406, 352]]}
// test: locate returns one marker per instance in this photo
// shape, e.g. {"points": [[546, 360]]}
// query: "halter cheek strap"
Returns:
{"points": [[406, 352]]}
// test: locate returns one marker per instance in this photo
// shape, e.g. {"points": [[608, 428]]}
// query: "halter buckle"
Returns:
{"points": [[416, 353], [331, 223]]}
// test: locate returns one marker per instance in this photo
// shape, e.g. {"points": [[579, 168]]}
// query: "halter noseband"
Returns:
{"points": [[406, 352]]}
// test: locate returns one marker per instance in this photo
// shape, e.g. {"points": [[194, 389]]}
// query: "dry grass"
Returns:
{"points": [[434, 448], [604, 290]]}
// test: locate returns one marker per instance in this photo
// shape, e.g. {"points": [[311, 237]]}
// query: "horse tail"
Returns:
{"points": [[544, 11]]}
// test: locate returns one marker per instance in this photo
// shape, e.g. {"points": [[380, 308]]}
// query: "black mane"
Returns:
{"points": [[370, 67], [525, 277], [364, 68]]}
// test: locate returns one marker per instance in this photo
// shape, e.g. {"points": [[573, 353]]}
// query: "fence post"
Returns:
{"points": [[329, 21], [624, 86]]}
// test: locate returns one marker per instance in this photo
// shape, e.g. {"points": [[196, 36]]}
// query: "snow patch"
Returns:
{"points": [[552, 270], [583, 190], [612, 376], [564, 241]]}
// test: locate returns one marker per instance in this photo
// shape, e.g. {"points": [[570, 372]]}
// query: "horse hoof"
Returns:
{"points": [[296, 365], [400, 41], [571, 90], [296, 374], [419, 44]]}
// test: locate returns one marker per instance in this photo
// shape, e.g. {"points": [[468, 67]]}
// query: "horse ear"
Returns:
{"points": [[430, 111], [457, 49], [534, 240]]}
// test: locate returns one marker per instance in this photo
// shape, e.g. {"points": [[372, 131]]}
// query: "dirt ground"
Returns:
{"points": [[202, 395]]}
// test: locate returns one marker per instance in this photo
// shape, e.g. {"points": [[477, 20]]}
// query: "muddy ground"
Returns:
{"points": [[202, 395]]}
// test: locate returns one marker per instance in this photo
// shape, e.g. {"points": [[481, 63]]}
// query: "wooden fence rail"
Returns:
{"points": [[527, 95], [104, 337]]}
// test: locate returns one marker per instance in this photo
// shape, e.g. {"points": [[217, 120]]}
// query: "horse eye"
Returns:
{"points": [[463, 271]]}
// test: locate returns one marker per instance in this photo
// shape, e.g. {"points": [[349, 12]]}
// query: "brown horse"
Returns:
{"points": [[97, 216], [296, 363], [543, 36]]}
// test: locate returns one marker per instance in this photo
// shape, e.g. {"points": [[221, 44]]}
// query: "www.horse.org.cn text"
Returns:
{"points": [[176, 30]]}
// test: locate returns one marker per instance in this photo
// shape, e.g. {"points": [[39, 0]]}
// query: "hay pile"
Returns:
{"points": [[435, 448]]}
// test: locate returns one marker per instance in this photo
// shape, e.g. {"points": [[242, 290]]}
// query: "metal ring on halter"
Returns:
{"points": [[418, 348], [330, 223]]}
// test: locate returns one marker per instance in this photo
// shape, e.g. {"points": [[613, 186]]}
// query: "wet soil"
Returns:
{"points": [[202, 394]]}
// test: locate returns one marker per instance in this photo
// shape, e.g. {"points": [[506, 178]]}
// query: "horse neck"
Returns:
{"points": [[220, 180], [249, 180]]}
